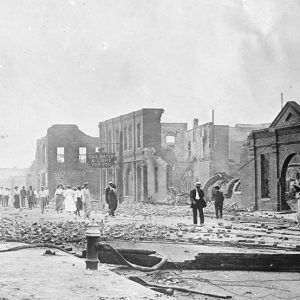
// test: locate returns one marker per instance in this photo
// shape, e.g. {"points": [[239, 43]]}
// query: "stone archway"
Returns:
{"points": [[283, 183]]}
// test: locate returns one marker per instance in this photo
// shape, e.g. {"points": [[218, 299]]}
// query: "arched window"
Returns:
{"points": [[130, 136], [156, 179], [125, 139]]}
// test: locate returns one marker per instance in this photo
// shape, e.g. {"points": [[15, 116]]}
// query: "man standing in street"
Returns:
{"points": [[112, 200], [6, 197], [23, 196], [218, 199], [86, 199], [197, 203], [43, 199], [30, 197], [107, 190], [47, 195]]}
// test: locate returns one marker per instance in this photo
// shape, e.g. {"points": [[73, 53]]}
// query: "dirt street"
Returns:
{"points": [[169, 231]]}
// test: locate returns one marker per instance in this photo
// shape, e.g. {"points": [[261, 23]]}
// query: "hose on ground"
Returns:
{"points": [[47, 245]]}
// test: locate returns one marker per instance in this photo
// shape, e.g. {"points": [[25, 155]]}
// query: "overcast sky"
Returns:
{"points": [[82, 62]]}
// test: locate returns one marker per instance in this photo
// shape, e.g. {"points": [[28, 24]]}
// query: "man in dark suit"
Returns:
{"points": [[197, 203], [107, 190], [218, 199]]}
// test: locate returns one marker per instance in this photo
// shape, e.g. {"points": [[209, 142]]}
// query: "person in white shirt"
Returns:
{"points": [[47, 194], [86, 199], [59, 198], [69, 195], [43, 199]]}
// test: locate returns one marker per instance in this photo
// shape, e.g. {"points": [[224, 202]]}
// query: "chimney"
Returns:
{"points": [[195, 123]]}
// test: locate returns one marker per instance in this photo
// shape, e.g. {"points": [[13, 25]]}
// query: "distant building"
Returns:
{"points": [[10, 177], [61, 158], [271, 161]]}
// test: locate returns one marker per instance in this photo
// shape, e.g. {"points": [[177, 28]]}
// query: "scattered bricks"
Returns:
{"points": [[228, 226], [250, 241], [249, 236], [220, 223]]}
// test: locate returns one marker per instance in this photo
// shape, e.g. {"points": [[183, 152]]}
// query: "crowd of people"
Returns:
{"points": [[78, 199], [73, 199], [66, 198], [16, 197]]}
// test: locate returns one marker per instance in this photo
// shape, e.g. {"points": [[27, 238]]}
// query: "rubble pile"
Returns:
{"points": [[58, 233]]}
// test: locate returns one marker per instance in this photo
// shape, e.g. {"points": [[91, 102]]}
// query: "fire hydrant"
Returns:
{"points": [[92, 235]]}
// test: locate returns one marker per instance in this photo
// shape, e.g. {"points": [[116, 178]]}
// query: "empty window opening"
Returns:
{"points": [[138, 135], [264, 160], [170, 139], [82, 155], [60, 154]]}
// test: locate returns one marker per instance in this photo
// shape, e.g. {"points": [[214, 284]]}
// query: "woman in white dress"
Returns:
{"points": [[70, 202]]}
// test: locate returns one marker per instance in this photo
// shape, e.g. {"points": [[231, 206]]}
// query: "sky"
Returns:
{"points": [[85, 61]]}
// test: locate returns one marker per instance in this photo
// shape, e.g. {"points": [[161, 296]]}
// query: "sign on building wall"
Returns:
{"points": [[101, 160]]}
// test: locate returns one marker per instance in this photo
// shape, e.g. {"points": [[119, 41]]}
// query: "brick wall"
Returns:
{"points": [[71, 172]]}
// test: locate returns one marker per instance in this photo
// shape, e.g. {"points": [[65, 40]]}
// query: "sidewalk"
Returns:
{"points": [[28, 274]]}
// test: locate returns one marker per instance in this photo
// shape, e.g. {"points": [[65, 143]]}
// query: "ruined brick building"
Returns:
{"points": [[61, 158], [154, 156], [151, 156], [214, 149], [271, 161], [145, 163]]}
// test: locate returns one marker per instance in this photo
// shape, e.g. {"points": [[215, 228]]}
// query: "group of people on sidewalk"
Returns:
{"points": [[198, 202], [73, 199], [66, 198], [17, 197]]}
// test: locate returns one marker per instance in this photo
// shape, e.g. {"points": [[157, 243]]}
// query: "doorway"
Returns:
{"points": [[290, 176]]}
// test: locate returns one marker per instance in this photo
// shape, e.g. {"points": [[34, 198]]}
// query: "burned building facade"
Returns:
{"points": [[155, 156], [214, 149], [61, 158], [147, 151], [271, 161]]}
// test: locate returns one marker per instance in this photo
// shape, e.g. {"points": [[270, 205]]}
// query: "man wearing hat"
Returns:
{"points": [[218, 198], [107, 190], [43, 198], [197, 203]]}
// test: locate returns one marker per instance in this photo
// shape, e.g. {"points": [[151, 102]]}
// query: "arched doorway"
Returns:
{"points": [[290, 175]]}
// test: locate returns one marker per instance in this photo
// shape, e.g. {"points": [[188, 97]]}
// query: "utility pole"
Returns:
{"points": [[281, 100]]}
